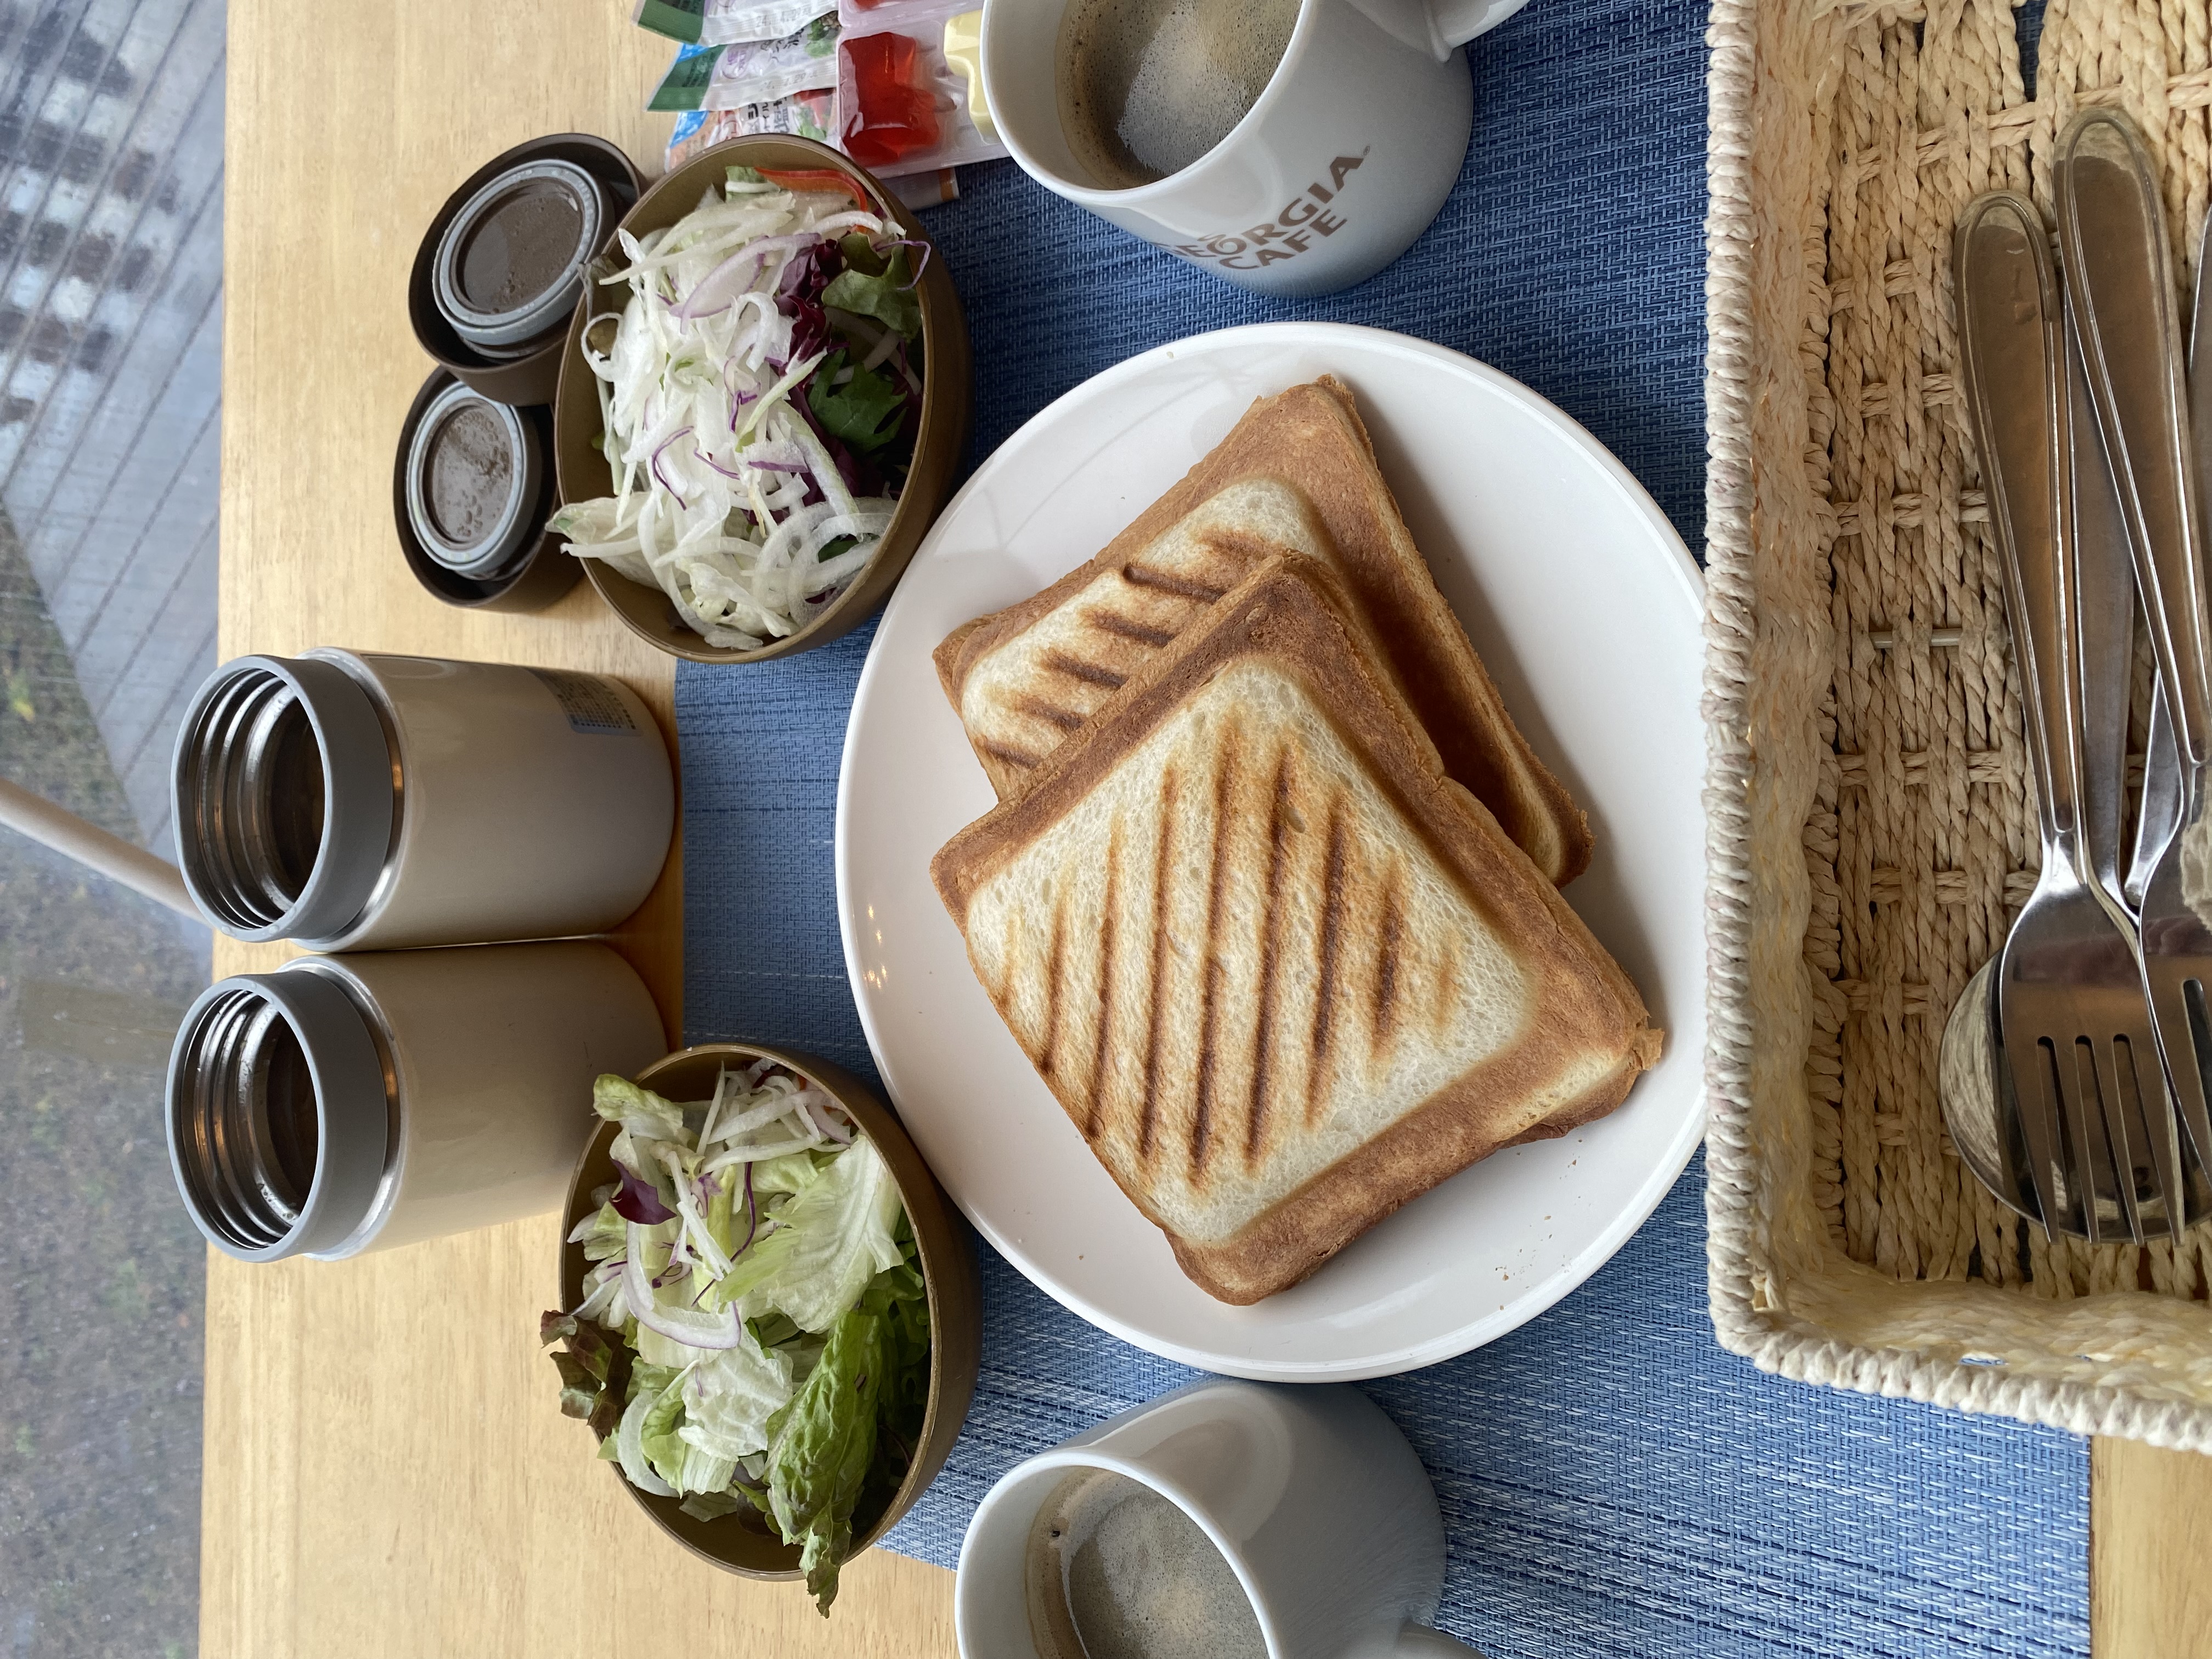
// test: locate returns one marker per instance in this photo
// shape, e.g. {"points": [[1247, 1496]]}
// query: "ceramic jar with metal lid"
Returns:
{"points": [[357, 801], [348, 1104]]}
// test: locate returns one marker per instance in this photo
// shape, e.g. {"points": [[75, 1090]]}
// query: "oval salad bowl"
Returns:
{"points": [[940, 438], [742, 1541]]}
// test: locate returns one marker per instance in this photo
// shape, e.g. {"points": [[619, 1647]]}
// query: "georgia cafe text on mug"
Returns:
{"points": [[1315, 212]]}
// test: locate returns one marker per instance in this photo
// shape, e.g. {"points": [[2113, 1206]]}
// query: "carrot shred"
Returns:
{"points": [[824, 178]]}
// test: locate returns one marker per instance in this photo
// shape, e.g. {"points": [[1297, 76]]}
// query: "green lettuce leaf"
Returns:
{"points": [[825, 1441], [833, 1238], [794, 1172], [729, 1397], [864, 411], [601, 1234], [711, 1505], [641, 1111], [887, 296], [898, 1296], [662, 1446]]}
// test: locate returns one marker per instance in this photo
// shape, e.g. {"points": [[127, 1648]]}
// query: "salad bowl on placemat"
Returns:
{"points": [[742, 1541], [939, 432]]}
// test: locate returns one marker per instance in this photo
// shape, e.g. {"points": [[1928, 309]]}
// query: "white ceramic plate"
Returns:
{"points": [[1579, 597]]}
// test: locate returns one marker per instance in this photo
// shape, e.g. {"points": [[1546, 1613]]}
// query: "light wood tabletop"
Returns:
{"points": [[386, 1469]]}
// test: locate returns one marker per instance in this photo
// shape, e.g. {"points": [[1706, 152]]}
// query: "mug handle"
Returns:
{"points": [[1438, 28], [1458, 21], [1418, 1641]]}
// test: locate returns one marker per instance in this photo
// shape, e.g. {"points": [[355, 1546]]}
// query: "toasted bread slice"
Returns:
{"points": [[1282, 973], [1297, 473]]}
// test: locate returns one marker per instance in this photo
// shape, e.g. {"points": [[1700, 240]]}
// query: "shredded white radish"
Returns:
{"points": [[712, 465]]}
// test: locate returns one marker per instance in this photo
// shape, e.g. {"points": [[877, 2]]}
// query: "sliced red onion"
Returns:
{"points": [[639, 1200], [752, 1216], [722, 287], [920, 265], [777, 467], [685, 1325], [717, 466], [659, 476]]}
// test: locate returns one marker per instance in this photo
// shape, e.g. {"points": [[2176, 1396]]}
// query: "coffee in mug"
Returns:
{"points": [[1291, 147], [1147, 87], [1117, 1571], [1224, 1521]]}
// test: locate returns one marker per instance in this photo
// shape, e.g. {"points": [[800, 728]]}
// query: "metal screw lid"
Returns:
{"points": [[284, 799], [278, 1120]]}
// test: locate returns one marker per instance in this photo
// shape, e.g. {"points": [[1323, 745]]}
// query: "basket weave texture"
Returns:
{"points": [[1869, 818]]}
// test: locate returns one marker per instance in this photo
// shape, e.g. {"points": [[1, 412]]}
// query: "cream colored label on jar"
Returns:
{"points": [[589, 702]]}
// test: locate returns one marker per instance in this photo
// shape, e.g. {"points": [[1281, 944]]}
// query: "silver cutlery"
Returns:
{"points": [[2113, 244], [2143, 1180], [1978, 1106], [2073, 1029]]}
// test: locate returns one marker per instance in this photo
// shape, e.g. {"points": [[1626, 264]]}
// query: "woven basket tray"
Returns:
{"points": [[1870, 825]]}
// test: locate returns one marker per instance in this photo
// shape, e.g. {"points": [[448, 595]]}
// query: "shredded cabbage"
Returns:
{"points": [[726, 498]]}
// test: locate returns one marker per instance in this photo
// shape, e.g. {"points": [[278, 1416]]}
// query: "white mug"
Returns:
{"points": [[1340, 163], [1311, 1495]]}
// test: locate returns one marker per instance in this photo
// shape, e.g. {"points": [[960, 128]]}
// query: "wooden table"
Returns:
{"points": [[385, 1470]]}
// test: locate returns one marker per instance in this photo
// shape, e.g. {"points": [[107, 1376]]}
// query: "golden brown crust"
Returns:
{"points": [[947, 658], [1311, 437], [1291, 612], [1450, 1131]]}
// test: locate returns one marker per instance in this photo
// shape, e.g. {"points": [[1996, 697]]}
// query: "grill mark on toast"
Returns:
{"points": [[1008, 753], [1091, 673], [1201, 1122], [1106, 931], [1056, 966], [1051, 714], [1447, 985], [1332, 934], [1271, 953], [1390, 936], [1162, 873], [1128, 628], [1141, 575]]}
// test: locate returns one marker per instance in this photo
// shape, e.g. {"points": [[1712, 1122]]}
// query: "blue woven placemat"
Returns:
{"points": [[1611, 1482]]}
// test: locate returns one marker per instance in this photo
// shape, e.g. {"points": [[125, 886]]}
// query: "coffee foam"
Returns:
{"points": [[1147, 87], [1116, 1571]]}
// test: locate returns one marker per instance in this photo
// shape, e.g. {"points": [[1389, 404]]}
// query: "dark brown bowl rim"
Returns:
{"points": [[945, 1255], [946, 396]]}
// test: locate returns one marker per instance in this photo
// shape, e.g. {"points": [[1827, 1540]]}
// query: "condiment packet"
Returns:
{"points": [[717, 22], [740, 73], [811, 114], [902, 104], [867, 16]]}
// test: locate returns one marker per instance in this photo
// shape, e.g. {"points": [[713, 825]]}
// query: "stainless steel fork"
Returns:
{"points": [[2120, 270], [2077, 1038]]}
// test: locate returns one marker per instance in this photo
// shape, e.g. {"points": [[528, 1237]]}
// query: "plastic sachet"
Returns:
{"points": [[718, 22], [747, 72]]}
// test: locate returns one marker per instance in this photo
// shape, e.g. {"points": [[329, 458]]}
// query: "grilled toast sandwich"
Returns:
{"points": [[1297, 473], [1281, 972]]}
